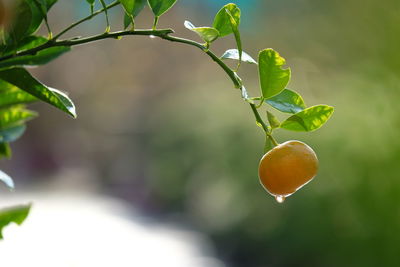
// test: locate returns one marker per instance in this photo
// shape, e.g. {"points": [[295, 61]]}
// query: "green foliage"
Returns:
{"points": [[15, 115], [234, 54], [273, 121], [23, 80], [208, 34], [309, 119], [16, 214], [287, 101], [273, 78], [11, 134], [133, 7], [159, 7], [21, 48], [5, 150], [227, 21], [42, 57], [222, 21]]}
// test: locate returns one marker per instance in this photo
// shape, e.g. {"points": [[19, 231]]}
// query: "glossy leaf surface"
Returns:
{"points": [[273, 78], [159, 7], [7, 180], [309, 119], [24, 80], [222, 21], [208, 34], [234, 54], [287, 101]]}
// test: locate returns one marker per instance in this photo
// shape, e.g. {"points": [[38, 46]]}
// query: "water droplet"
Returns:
{"points": [[280, 199], [152, 36]]}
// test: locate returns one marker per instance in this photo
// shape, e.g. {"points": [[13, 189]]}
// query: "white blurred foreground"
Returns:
{"points": [[76, 231]]}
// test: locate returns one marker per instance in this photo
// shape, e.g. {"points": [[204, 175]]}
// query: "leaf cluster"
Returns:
{"points": [[21, 48]]}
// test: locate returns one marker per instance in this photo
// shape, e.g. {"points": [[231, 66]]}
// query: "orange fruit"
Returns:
{"points": [[286, 168]]}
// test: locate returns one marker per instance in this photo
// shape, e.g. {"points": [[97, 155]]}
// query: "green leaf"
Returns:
{"points": [[16, 214], [273, 121], [245, 95], [50, 3], [7, 180], [222, 21], [91, 3], [26, 43], [234, 54], [5, 150], [12, 134], [287, 101], [133, 7], [159, 7], [15, 116], [273, 78], [23, 80], [127, 20], [235, 28], [21, 22], [309, 119], [11, 95], [37, 17], [41, 57], [208, 34]]}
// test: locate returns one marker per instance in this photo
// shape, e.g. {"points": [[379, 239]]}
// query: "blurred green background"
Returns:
{"points": [[160, 125]]}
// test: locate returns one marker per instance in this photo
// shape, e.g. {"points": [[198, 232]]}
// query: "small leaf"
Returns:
{"points": [[16, 214], [127, 20], [7, 180], [21, 22], [5, 150], [273, 78], [15, 116], [245, 95], [42, 57], [133, 7], [50, 3], [273, 121], [235, 28], [159, 7], [208, 34], [23, 80], [287, 101], [222, 21], [12, 134], [309, 119], [37, 17], [234, 54]]}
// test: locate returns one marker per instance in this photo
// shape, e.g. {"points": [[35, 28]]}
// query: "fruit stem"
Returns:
{"points": [[273, 141]]}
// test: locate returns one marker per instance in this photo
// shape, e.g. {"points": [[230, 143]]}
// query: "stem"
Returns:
{"points": [[103, 4], [155, 22], [163, 34], [113, 4]]}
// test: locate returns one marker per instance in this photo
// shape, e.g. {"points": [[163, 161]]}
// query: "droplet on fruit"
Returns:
{"points": [[280, 199]]}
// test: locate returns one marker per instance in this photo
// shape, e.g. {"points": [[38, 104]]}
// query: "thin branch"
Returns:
{"points": [[113, 4], [163, 34]]}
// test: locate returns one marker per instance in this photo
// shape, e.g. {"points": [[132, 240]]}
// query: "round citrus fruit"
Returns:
{"points": [[286, 168]]}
